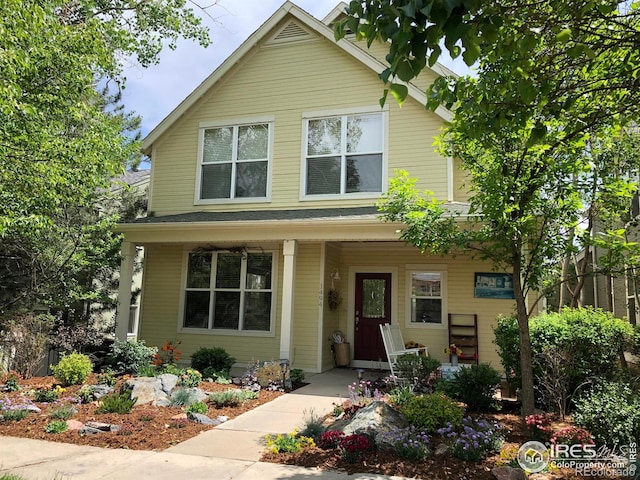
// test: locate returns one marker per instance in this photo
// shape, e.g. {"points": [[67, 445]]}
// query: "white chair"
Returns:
{"points": [[394, 346]]}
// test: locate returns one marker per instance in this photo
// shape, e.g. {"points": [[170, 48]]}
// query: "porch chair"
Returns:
{"points": [[394, 347]]}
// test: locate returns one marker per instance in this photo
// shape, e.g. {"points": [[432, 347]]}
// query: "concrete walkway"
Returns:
{"points": [[229, 451]]}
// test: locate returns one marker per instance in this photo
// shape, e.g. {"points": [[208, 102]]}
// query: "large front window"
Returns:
{"points": [[234, 161], [229, 291], [344, 155]]}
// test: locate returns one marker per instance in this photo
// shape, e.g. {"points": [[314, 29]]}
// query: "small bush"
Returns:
{"points": [[477, 438], [107, 377], [401, 395], [48, 394], [14, 414], [190, 378], [56, 426], [117, 403], [297, 377], [289, 443], [64, 412], [313, 426], [131, 356], [475, 386], [231, 398], [330, 440], [198, 407], [222, 378], [419, 370], [72, 369], [408, 443], [433, 411], [611, 412], [539, 427], [572, 435], [181, 397], [11, 381], [216, 358]]}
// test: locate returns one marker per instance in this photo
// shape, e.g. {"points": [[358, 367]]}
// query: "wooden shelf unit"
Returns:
{"points": [[463, 333]]}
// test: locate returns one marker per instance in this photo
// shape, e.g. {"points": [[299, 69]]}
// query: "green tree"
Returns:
{"points": [[62, 139], [555, 84]]}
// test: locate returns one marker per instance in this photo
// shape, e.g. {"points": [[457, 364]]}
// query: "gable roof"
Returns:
{"points": [[308, 21]]}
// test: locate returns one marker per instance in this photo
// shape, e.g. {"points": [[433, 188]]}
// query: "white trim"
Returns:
{"points": [[211, 331], [289, 253], [321, 275], [351, 305], [334, 14], [345, 112], [287, 8], [235, 124], [450, 183], [151, 180], [444, 292]]}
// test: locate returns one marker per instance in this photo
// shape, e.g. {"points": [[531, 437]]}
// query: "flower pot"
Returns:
{"points": [[342, 354]]}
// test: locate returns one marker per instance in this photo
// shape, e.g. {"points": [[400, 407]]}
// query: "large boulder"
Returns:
{"points": [[374, 420], [153, 390]]}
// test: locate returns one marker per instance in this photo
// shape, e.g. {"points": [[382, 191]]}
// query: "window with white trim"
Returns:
{"points": [[229, 291], [344, 154], [426, 297], [234, 161]]}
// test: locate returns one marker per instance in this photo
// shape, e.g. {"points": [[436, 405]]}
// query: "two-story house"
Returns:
{"points": [[262, 199]]}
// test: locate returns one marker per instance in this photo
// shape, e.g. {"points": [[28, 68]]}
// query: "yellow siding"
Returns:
{"points": [[331, 318], [460, 295], [460, 181], [286, 80]]}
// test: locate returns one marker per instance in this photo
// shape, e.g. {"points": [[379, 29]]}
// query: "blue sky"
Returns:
{"points": [[154, 92]]}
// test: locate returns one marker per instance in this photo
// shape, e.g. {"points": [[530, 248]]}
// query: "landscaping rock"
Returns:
{"points": [[88, 431], [99, 391], [509, 473], [441, 449], [373, 420], [197, 394], [222, 418], [32, 408], [168, 381], [104, 427], [180, 416], [148, 390], [74, 424], [203, 419]]}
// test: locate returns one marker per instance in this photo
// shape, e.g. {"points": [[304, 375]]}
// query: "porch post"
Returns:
{"points": [[289, 250], [128, 252]]}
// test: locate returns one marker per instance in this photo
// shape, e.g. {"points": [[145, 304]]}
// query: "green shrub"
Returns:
{"points": [[401, 395], [418, 370], [131, 356], [47, 394], [117, 403], [56, 426], [223, 378], [107, 377], [232, 397], [216, 358], [610, 412], [297, 376], [190, 378], [14, 414], [433, 411], [72, 369], [198, 407], [64, 412], [475, 386], [591, 340], [288, 442]]}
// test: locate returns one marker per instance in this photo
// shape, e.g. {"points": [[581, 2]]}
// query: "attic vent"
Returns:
{"points": [[290, 33]]}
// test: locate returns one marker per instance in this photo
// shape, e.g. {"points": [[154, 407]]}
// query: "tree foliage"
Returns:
{"points": [[62, 138]]}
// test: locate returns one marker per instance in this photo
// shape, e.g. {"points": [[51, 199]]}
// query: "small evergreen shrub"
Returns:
{"points": [[431, 412], [56, 426], [117, 403], [475, 386], [181, 397], [297, 377], [610, 412], [216, 358], [64, 412], [198, 407], [231, 397], [72, 369], [131, 356]]}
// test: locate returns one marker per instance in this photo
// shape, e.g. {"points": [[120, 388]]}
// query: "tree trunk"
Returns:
{"points": [[526, 363]]}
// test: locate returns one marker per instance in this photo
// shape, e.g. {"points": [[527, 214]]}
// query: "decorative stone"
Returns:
{"points": [[168, 381], [115, 428], [103, 427], [373, 420], [88, 431], [508, 473], [147, 390], [99, 391], [180, 416], [441, 449], [32, 408], [74, 425], [197, 395], [203, 419], [222, 418]]}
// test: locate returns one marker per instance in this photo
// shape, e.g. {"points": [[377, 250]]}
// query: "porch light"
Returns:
{"points": [[360, 372], [284, 366]]}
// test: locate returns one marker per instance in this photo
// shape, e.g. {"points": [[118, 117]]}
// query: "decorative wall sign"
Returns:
{"points": [[494, 285]]}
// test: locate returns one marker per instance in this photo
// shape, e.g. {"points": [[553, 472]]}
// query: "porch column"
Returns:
{"points": [[289, 249], [128, 252]]}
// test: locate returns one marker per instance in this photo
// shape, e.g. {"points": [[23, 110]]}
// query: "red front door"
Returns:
{"points": [[372, 308]]}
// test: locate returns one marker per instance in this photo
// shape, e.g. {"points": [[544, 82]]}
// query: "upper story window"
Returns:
{"points": [[234, 161], [344, 155], [228, 291]]}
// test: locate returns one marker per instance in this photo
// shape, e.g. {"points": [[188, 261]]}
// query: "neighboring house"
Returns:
{"points": [[263, 190]]}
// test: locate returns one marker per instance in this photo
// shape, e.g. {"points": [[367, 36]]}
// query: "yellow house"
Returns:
{"points": [[262, 207]]}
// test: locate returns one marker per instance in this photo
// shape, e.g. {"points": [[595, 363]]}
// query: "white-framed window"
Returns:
{"points": [[229, 292], [344, 155], [426, 296], [234, 161]]}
